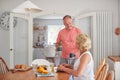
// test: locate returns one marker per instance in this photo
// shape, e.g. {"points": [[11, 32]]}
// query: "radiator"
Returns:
{"points": [[103, 37]]}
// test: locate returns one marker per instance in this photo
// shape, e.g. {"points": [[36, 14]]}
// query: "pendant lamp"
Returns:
{"points": [[27, 7]]}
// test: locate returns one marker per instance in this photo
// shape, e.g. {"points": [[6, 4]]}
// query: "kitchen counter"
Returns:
{"points": [[114, 58], [114, 64]]}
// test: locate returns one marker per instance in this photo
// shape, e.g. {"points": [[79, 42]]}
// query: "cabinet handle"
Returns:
{"points": [[11, 49]]}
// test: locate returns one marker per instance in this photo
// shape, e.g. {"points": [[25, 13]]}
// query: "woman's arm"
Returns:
{"points": [[68, 66], [85, 59]]}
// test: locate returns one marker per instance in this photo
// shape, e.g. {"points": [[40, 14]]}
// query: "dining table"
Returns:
{"points": [[30, 75], [57, 76]]}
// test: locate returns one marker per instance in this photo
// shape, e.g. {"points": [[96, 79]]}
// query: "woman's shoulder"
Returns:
{"points": [[86, 54]]}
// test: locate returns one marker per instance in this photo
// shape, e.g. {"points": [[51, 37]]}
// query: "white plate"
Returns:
{"points": [[44, 75], [41, 62]]}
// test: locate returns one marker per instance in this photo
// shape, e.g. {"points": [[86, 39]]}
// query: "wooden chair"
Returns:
{"points": [[8, 74], [110, 75], [102, 63], [3, 66], [103, 73]]}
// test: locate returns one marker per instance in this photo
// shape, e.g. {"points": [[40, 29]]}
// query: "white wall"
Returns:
{"points": [[4, 45], [72, 7], [119, 12], [118, 24], [44, 22]]}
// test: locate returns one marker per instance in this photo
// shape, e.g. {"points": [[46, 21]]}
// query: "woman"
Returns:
{"points": [[83, 66]]}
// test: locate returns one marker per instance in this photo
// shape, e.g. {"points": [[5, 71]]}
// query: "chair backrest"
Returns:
{"points": [[110, 75], [3, 66], [7, 74], [103, 73], [99, 68], [41, 62]]}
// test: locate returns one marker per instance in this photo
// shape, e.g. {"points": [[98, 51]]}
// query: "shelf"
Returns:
{"points": [[38, 47], [35, 28]]}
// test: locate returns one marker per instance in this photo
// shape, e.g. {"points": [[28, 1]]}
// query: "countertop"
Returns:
{"points": [[114, 58]]}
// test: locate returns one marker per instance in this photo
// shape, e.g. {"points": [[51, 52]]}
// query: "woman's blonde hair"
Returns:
{"points": [[83, 42]]}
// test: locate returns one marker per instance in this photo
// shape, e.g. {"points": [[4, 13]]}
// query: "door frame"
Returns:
{"points": [[30, 37], [93, 30]]}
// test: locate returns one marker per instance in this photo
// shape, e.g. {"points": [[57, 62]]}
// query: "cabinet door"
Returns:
{"points": [[115, 66], [111, 64], [117, 70], [19, 41]]}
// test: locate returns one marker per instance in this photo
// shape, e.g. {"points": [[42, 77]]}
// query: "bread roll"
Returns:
{"points": [[17, 66], [20, 66], [23, 66]]}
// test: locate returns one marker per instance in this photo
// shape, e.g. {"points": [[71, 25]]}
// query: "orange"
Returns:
{"points": [[40, 69], [45, 71]]}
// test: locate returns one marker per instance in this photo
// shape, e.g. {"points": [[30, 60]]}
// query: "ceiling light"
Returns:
{"points": [[27, 7]]}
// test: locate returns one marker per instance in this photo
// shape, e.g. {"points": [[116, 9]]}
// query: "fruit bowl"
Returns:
{"points": [[42, 69]]}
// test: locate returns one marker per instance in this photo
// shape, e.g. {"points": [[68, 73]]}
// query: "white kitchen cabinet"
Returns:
{"points": [[38, 53], [114, 62]]}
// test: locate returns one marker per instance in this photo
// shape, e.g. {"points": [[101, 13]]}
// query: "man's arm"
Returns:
{"points": [[57, 45]]}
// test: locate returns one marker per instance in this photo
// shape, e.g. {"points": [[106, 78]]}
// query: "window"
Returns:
{"points": [[52, 33]]}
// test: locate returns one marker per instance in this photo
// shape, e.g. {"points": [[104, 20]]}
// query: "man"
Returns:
{"points": [[67, 37]]}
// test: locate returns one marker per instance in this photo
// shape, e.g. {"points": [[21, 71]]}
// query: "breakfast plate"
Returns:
{"points": [[22, 70], [45, 75]]}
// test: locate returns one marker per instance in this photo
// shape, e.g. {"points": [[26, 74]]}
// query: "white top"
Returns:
{"points": [[89, 72]]}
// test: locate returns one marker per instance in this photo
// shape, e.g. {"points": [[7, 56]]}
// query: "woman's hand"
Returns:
{"points": [[67, 65], [61, 67], [64, 64]]}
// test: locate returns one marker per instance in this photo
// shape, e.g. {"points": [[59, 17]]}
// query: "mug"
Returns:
{"points": [[72, 55]]}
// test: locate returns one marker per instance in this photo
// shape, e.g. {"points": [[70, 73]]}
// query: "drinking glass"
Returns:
{"points": [[52, 67], [35, 68]]}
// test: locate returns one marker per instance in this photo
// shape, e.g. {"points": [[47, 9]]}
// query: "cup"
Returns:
{"points": [[55, 69], [70, 60], [49, 68], [72, 55], [52, 67], [35, 68]]}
